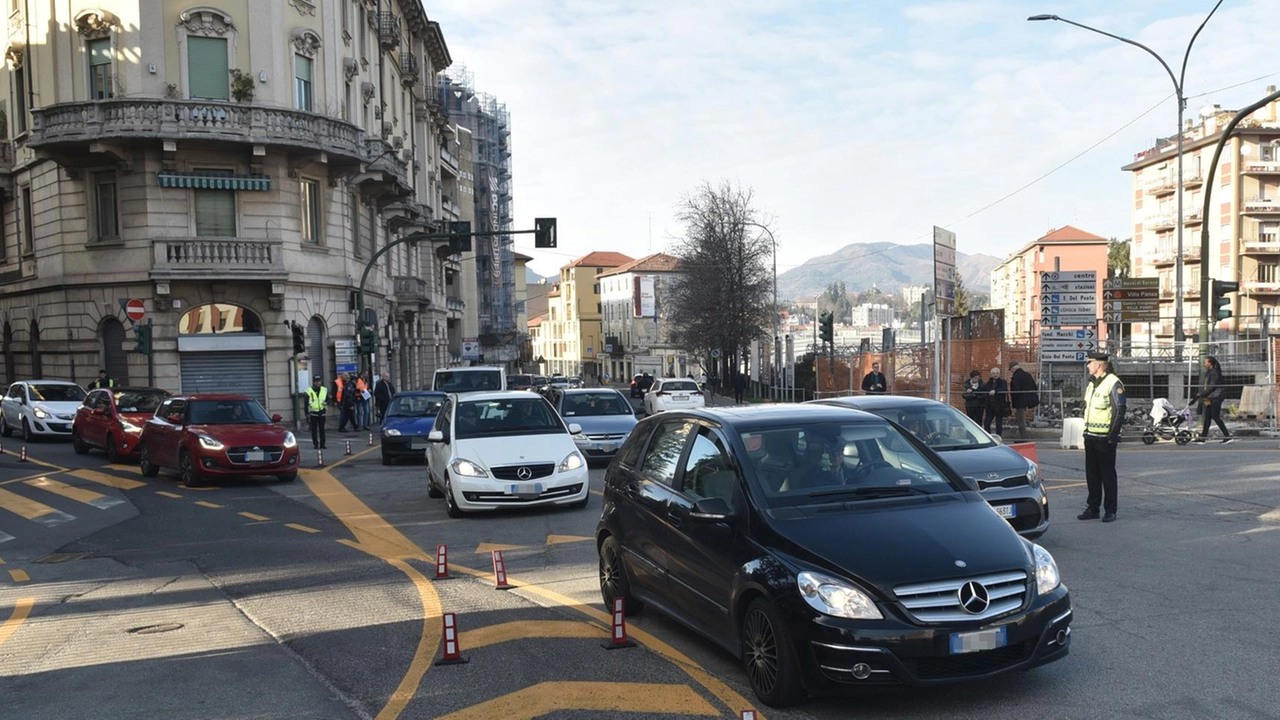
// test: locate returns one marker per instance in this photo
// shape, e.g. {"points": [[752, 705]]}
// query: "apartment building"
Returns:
{"points": [[234, 164], [637, 332], [1243, 220], [871, 314], [1015, 283], [573, 337]]}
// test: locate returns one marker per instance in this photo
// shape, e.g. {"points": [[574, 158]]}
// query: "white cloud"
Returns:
{"points": [[852, 122]]}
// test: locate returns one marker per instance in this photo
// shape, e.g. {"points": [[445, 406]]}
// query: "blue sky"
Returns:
{"points": [[858, 121]]}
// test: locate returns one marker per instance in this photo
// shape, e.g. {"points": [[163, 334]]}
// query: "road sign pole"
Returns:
{"points": [[151, 356]]}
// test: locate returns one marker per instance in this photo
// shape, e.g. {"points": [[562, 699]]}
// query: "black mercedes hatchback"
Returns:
{"points": [[826, 549]]}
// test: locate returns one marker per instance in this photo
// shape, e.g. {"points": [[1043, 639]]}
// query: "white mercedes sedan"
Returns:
{"points": [[492, 450]]}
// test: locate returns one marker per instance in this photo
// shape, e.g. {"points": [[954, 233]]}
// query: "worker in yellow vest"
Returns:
{"points": [[1104, 407], [317, 396]]}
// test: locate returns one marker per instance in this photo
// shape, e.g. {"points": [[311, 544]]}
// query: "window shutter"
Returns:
{"points": [[215, 210], [303, 67], [208, 76], [99, 51]]}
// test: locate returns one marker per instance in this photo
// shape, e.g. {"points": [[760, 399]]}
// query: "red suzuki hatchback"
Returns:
{"points": [[111, 419], [214, 436]]}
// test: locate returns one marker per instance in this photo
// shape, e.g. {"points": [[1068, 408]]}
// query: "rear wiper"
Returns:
{"points": [[872, 492]]}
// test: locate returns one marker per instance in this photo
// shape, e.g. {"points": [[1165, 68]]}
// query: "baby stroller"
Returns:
{"points": [[1167, 423]]}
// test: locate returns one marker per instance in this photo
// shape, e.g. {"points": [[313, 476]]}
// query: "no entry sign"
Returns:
{"points": [[135, 310]]}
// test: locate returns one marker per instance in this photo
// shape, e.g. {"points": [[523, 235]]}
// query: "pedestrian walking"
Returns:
{"points": [[342, 390], [997, 392], [317, 395], [362, 397], [1104, 408], [873, 383], [739, 385], [975, 400], [383, 391], [1212, 392], [1024, 396], [103, 381]]}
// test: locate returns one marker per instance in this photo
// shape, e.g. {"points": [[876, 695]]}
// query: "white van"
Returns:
{"points": [[469, 379]]}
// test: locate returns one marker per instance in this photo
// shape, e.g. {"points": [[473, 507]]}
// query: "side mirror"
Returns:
{"points": [[575, 428], [999, 440], [99, 411], [712, 509], [972, 483], [174, 419], [435, 436], [277, 418]]}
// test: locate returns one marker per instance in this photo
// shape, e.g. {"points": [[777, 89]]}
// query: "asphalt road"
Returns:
{"points": [[316, 600]]}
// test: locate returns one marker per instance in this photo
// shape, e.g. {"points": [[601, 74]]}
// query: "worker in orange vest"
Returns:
{"points": [[342, 392], [362, 396]]}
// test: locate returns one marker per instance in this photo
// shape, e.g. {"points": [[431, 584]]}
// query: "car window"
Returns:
{"points": [[227, 412], [177, 407], [709, 473], [679, 386], [940, 426], [135, 401], [629, 453], [529, 415], [49, 392], [605, 402], [443, 423], [663, 456], [93, 400], [456, 381], [415, 406]]}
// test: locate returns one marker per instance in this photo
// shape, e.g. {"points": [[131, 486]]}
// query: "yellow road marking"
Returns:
{"points": [[24, 478], [559, 539], [546, 698], [303, 528], [27, 508], [41, 463], [349, 458], [169, 494], [118, 483], [253, 516], [505, 632], [79, 494], [1066, 485], [203, 503], [19, 575], [1, 561], [21, 610], [483, 548]]}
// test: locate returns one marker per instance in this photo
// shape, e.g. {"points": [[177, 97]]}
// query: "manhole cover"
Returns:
{"points": [[154, 629], [61, 557]]}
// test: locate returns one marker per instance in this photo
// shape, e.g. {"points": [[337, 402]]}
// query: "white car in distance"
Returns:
{"points": [[673, 394], [40, 408], [510, 449]]}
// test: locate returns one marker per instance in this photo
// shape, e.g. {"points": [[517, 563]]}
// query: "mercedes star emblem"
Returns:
{"points": [[961, 563], [974, 598], [524, 473]]}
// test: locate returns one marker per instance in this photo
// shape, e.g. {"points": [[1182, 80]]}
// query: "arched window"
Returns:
{"points": [[219, 318], [316, 348], [37, 367], [115, 359]]}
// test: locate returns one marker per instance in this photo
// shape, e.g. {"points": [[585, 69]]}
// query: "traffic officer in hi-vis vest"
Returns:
{"points": [[317, 394], [1104, 406]]}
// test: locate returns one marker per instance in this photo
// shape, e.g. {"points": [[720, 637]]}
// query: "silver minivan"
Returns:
{"points": [[469, 379]]}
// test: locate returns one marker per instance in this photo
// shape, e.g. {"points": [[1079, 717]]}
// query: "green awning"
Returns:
{"points": [[215, 182]]}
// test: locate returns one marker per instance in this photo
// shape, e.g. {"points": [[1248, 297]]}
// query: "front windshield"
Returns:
{"points": [[838, 462], [519, 380], [56, 393], [227, 412], [415, 406], [508, 416], [139, 401], [594, 403], [941, 427]]}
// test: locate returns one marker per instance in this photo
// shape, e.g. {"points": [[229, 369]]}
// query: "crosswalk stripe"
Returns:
{"points": [[5, 537], [88, 497], [202, 503], [19, 575], [32, 510], [255, 516], [176, 496], [108, 480], [303, 528]]}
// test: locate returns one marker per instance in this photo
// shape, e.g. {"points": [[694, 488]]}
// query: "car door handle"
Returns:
{"points": [[675, 518]]}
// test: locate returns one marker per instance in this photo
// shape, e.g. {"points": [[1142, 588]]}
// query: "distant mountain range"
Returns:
{"points": [[887, 266]]}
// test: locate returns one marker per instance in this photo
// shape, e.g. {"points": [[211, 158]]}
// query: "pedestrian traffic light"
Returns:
{"points": [[544, 232], [368, 340], [1221, 304], [826, 327], [299, 339], [142, 336]]}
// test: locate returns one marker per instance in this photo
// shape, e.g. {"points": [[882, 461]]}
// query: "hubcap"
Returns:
{"points": [[761, 653], [609, 574]]}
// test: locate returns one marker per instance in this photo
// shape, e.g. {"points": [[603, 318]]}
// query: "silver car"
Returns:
{"points": [[605, 415]]}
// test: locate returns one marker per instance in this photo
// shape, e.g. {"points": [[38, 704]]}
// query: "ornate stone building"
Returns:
{"points": [[234, 164]]}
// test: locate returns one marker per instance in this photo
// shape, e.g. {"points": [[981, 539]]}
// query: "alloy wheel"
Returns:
{"points": [[761, 652]]}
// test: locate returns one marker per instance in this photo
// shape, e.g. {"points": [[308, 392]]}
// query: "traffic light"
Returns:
{"points": [[142, 336], [1222, 305], [826, 327], [368, 340], [299, 339], [460, 236], [544, 232]]}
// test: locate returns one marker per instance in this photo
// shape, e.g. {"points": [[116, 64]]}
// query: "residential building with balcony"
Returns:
{"points": [[235, 165], [870, 315], [1243, 221], [636, 326], [573, 340], [1015, 283]]}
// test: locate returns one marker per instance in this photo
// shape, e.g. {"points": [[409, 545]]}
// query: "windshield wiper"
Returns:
{"points": [[872, 492]]}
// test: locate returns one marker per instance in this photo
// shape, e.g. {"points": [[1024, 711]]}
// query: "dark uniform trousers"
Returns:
{"points": [[317, 428], [1100, 473]]}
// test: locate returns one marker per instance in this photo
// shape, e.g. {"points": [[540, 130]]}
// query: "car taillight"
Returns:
{"points": [[696, 392], [660, 393]]}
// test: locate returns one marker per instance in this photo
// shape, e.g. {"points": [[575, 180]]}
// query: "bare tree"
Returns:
{"points": [[724, 298]]}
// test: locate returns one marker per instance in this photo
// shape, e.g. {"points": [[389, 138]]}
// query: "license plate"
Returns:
{"points": [[1006, 511], [979, 640], [607, 447], [525, 491], [418, 445], [681, 397], [255, 456]]}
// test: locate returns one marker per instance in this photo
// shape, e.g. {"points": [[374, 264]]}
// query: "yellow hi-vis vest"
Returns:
{"points": [[1097, 406], [315, 399]]}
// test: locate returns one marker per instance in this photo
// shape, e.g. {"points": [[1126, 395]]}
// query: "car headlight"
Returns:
{"points": [[1047, 577], [129, 427], [391, 432], [290, 441], [209, 443], [838, 598], [1033, 472], [41, 413], [572, 461], [466, 468]]}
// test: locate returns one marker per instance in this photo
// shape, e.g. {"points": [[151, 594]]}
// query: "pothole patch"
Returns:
{"points": [[155, 629]]}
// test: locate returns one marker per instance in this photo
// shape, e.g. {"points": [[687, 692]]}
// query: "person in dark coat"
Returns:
{"points": [[975, 400], [873, 383], [1024, 396], [1211, 395], [383, 391], [739, 385], [997, 391]]}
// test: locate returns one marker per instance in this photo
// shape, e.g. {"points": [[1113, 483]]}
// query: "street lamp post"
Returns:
{"points": [[1179, 82], [777, 355]]}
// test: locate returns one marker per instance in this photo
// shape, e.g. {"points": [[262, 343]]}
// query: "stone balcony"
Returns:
{"points": [[412, 290], [206, 258]]}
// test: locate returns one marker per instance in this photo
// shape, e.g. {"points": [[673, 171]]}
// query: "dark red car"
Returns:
{"points": [[111, 420], [210, 436]]}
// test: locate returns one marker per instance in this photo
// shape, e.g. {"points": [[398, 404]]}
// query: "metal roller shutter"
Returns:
{"points": [[115, 359], [237, 372], [315, 349]]}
